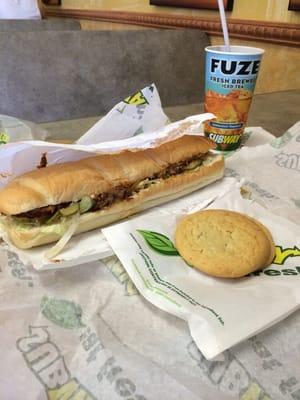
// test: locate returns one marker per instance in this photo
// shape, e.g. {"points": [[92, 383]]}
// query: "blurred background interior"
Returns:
{"points": [[72, 60]]}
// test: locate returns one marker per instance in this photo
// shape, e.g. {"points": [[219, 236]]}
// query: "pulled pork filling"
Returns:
{"points": [[120, 192]]}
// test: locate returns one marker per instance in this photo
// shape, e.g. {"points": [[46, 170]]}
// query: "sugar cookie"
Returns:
{"points": [[224, 243]]}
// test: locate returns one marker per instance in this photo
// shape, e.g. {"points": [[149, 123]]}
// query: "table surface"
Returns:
{"points": [[275, 112], [84, 320]]}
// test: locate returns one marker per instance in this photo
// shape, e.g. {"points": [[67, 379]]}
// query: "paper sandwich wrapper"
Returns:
{"points": [[220, 312], [86, 332], [137, 124]]}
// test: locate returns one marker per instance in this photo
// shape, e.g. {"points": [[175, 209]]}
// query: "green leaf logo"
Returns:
{"points": [[282, 140], [159, 242], [63, 313]]}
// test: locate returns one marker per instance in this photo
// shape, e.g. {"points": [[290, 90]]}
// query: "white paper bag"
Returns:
{"points": [[220, 312]]}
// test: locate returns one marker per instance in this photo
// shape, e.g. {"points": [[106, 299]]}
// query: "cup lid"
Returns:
{"points": [[235, 50]]}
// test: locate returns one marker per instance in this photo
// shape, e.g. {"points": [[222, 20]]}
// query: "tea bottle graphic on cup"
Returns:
{"points": [[230, 79]]}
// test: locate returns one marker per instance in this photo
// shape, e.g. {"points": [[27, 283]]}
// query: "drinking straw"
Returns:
{"points": [[224, 25]]}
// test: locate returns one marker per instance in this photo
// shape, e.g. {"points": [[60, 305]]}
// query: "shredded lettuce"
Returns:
{"points": [[58, 247]]}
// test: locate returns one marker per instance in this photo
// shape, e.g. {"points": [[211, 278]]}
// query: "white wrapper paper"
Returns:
{"points": [[136, 123], [20, 157], [213, 308], [85, 332], [272, 172], [13, 130], [140, 113]]}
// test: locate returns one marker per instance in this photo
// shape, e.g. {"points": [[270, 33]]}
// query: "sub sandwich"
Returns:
{"points": [[40, 206]]}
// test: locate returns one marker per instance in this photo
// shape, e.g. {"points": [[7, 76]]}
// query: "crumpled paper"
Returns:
{"points": [[20, 157], [220, 312], [13, 130], [85, 331], [141, 113], [272, 172], [62, 338]]}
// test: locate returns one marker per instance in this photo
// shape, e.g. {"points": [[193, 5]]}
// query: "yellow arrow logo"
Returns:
{"points": [[72, 390], [282, 254], [137, 99], [4, 138]]}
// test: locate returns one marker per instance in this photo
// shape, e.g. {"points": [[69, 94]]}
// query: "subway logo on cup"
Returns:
{"points": [[226, 139]]}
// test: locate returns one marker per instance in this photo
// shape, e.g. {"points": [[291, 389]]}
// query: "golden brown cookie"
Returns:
{"points": [[224, 243], [270, 238]]}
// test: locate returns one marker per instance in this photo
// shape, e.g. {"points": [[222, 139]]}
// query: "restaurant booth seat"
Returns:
{"points": [[68, 74]]}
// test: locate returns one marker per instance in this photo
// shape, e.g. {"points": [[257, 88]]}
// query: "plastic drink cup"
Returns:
{"points": [[230, 79]]}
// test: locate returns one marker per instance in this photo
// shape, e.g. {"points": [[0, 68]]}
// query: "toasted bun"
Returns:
{"points": [[71, 181], [163, 191]]}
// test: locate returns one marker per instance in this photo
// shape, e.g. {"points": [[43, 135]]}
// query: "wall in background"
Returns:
{"points": [[279, 70], [266, 10]]}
